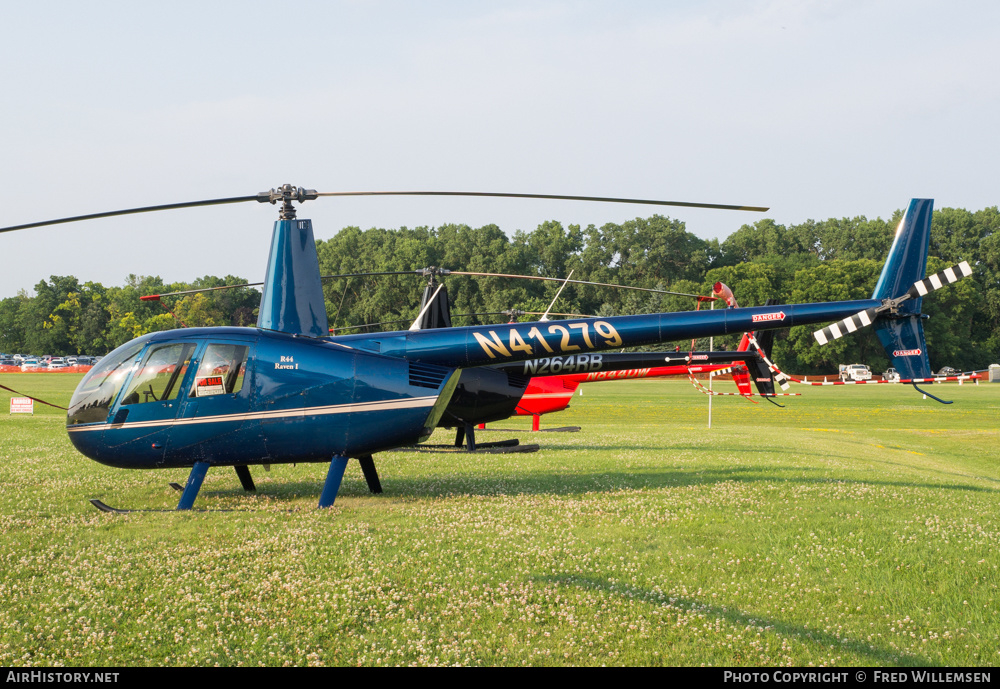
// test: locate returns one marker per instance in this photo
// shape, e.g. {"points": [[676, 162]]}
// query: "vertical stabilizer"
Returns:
{"points": [[293, 293], [902, 334], [907, 261]]}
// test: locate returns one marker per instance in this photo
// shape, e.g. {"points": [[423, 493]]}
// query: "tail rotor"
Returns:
{"points": [[897, 320]]}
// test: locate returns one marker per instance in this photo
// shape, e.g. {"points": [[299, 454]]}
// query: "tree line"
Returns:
{"points": [[831, 260]]}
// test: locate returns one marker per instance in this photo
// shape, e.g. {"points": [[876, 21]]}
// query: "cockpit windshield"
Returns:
{"points": [[98, 389]]}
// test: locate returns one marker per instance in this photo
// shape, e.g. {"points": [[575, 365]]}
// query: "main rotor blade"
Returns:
{"points": [[555, 313], [519, 312], [130, 211], [300, 195], [156, 297], [564, 197], [583, 282], [423, 272], [369, 325], [464, 315]]}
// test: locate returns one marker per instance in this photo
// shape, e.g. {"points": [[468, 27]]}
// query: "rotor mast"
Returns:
{"points": [[292, 296]]}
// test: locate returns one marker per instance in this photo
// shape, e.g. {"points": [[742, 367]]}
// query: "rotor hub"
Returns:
{"points": [[287, 193], [890, 307], [432, 272]]}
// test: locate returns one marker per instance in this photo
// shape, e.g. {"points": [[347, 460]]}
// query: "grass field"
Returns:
{"points": [[858, 526]]}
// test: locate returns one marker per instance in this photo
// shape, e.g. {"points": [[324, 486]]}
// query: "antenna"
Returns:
{"points": [[545, 316]]}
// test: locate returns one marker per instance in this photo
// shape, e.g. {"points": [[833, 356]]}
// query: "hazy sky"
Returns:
{"points": [[816, 109]]}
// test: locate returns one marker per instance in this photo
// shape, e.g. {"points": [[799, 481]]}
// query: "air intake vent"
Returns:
{"points": [[517, 381], [427, 375]]}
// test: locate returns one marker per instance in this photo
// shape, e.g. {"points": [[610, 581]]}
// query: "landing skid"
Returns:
{"points": [[103, 507], [496, 448], [560, 429], [113, 510]]}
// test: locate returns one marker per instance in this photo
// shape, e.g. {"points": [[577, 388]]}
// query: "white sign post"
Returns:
{"points": [[711, 376]]}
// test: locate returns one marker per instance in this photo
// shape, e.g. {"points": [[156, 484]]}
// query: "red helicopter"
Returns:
{"points": [[548, 394]]}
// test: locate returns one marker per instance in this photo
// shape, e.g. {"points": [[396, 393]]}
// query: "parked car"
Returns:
{"points": [[29, 364], [947, 371], [891, 375]]}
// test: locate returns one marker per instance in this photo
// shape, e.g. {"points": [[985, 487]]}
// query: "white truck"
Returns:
{"points": [[855, 372]]}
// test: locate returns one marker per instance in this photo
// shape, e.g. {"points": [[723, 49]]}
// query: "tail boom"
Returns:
{"points": [[495, 344]]}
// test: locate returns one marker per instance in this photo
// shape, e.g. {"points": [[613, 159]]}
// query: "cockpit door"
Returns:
{"points": [[215, 422], [147, 408]]}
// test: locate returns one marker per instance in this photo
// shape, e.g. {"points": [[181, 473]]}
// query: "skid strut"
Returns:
{"points": [[466, 434], [246, 480], [193, 485], [371, 474], [334, 477]]}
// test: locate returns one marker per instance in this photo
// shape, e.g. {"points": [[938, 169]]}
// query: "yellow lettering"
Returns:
{"points": [[582, 327], [607, 331], [564, 345], [496, 345], [538, 336], [517, 344]]}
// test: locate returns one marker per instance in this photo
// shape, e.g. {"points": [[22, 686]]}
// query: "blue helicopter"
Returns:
{"points": [[285, 391], [491, 393]]}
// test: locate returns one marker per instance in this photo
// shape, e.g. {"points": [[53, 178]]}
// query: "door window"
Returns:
{"points": [[222, 370], [160, 375]]}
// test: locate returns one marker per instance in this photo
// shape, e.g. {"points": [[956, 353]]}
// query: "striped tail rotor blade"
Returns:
{"points": [[782, 379], [939, 280], [848, 325]]}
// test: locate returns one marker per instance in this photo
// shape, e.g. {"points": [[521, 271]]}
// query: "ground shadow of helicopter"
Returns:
{"points": [[287, 392]]}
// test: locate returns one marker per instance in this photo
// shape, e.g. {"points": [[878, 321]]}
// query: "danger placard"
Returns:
{"points": [[764, 317], [22, 405]]}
